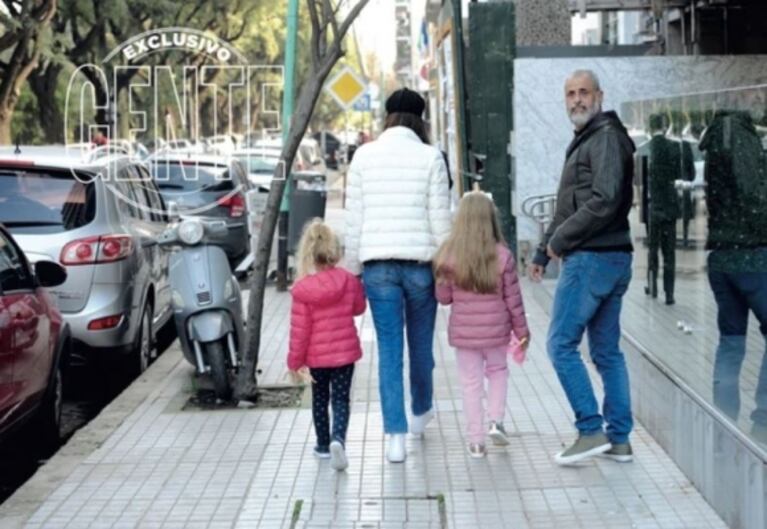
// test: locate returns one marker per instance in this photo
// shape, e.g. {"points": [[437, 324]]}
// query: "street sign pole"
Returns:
{"points": [[288, 97]]}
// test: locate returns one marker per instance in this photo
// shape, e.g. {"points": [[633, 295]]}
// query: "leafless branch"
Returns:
{"points": [[315, 34], [329, 15]]}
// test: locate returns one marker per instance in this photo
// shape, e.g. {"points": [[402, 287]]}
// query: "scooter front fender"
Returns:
{"points": [[210, 325]]}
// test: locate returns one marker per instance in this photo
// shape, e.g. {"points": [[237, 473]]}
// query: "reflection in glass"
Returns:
{"points": [[702, 188]]}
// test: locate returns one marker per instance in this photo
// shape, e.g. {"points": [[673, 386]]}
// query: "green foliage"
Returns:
{"points": [[85, 31]]}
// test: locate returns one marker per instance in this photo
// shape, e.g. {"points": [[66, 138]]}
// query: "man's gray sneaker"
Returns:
{"points": [[584, 447], [621, 453]]}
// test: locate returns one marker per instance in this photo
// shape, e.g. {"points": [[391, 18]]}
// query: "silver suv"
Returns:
{"points": [[100, 219]]}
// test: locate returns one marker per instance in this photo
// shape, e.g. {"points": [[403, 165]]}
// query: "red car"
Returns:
{"points": [[34, 344]]}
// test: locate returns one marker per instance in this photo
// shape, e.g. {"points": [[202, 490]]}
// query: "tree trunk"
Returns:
{"points": [[43, 83], [246, 381], [324, 57], [6, 115]]}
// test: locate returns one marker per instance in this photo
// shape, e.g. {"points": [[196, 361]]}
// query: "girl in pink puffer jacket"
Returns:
{"points": [[476, 274], [323, 337]]}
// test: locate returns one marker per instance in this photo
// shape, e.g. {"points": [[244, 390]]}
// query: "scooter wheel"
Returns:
{"points": [[218, 370]]}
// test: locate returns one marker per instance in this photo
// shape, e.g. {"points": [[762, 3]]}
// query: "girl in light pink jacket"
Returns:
{"points": [[476, 274]]}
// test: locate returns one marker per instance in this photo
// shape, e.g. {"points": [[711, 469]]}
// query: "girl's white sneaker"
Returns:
{"points": [[338, 458]]}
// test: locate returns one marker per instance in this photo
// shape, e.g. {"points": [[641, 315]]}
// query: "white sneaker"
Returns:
{"points": [[338, 458], [396, 451], [418, 423]]}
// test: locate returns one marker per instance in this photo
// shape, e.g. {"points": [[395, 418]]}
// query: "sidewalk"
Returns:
{"points": [[167, 468]]}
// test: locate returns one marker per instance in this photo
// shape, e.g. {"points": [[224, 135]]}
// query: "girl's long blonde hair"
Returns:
{"points": [[318, 248], [469, 257]]}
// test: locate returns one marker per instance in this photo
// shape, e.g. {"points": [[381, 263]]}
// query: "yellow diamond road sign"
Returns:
{"points": [[346, 88]]}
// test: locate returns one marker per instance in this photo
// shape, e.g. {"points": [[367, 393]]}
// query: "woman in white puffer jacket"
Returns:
{"points": [[397, 215]]}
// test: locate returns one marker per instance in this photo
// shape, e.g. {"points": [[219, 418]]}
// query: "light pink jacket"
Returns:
{"points": [[480, 321]]}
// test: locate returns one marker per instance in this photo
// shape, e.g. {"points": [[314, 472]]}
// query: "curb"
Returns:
{"points": [[18, 508]]}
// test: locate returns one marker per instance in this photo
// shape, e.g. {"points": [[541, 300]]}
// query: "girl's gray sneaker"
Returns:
{"points": [[620, 452], [477, 450], [498, 434]]}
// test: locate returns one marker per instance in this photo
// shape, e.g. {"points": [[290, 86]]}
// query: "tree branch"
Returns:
{"points": [[330, 15], [315, 34]]}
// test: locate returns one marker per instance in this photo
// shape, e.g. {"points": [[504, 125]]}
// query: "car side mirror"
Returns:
{"points": [[174, 214], [50, 274]]}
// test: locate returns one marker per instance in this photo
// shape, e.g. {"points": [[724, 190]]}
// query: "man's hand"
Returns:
{"points": [[551, 253], [535, 272]]}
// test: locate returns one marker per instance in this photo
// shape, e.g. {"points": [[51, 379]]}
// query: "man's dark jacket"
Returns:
{"points": [[665, 170], [736, 180], [595, 192]]}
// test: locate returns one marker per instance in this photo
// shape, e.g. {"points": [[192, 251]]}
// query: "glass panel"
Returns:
{"points": [[699, 300]]}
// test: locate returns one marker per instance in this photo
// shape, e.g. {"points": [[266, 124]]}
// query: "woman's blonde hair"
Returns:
{"points": [[318, 248], [469, 257]]}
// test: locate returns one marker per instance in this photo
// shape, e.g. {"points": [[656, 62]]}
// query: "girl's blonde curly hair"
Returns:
{"points": [[318, 248]]}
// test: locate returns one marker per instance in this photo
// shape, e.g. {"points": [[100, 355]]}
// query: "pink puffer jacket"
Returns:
{"points": [[322, 331], [480, 321]]}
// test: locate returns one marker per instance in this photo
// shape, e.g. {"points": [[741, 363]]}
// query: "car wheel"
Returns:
{"points": [[140, 356], [47, 430], [145, 340]]}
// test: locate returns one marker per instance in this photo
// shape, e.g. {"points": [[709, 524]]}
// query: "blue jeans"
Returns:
{"points": [[588, 299], [401, 294], [735, 295]]}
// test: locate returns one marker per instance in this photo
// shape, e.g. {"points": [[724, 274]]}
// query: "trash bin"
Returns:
{"points": [[308, 198]]}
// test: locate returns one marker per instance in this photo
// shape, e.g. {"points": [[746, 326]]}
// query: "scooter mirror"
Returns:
{"points": [[174, 214]]}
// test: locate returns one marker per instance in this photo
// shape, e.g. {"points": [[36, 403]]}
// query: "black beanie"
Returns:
{"points": [[405, 101]]}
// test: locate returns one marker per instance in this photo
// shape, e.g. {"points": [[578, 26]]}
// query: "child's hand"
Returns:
{"points": [[518, 349], [300, 376]]}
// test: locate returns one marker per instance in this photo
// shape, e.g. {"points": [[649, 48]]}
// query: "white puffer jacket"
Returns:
{"points": [[397, 200]]}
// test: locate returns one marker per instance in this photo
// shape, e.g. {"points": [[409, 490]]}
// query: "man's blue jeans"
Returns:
{"points": [[736, 294], [401, 294], [588, 299]]}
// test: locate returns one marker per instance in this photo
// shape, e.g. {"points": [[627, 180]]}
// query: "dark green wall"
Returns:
{"points": [[490, 81]]}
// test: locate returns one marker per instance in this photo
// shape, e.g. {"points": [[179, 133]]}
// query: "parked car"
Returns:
{"points": [[221, 145], [331, 145], [99, 219], [210, 187], [34, 344], [261, 161]]}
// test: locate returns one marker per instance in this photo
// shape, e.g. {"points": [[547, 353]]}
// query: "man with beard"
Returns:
{"points": [[590, 233]]}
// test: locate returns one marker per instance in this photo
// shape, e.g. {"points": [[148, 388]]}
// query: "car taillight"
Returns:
{"points": [[94, 250], [105, 323], [235, 203]]}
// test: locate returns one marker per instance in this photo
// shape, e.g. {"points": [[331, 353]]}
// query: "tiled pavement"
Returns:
{"points": [[167, 468]]}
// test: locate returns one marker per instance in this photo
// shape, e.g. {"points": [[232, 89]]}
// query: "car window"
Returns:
{"points": [[179, 177], [39, 201], [153, 196], [259, 164], [14, 273], [127, 200]]}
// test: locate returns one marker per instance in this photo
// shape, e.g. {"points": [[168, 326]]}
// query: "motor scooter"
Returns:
{"points": [[206, 300]]}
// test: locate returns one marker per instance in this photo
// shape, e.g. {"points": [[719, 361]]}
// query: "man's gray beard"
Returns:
{"points": [[580, 119]]}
